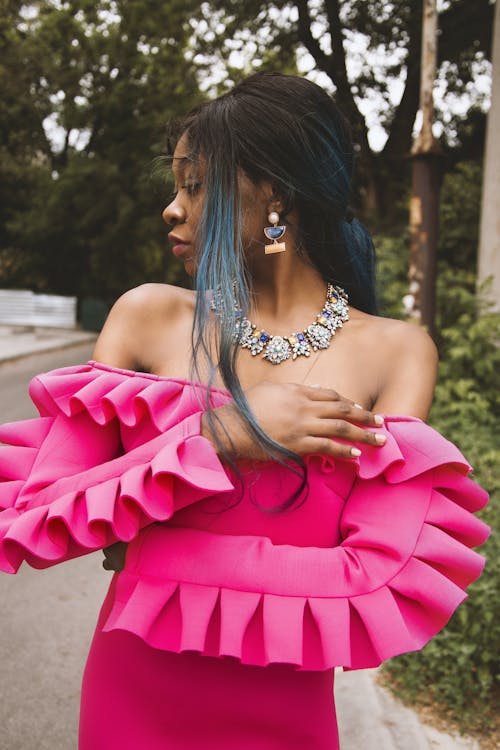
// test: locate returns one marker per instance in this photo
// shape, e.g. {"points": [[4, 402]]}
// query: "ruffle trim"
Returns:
{"points": [[256, 626], [412, 448], [125, 494], [106, 393], [228, 608], [22, 442], [115, 509]]}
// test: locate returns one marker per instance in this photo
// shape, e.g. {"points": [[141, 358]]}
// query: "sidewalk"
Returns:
{"points": [[371, 718], [21, 341]]}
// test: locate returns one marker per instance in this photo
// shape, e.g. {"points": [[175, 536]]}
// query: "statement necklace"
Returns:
{"points": [[277, 349]]}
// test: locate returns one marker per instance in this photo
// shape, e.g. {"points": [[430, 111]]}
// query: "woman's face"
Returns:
{"points": [[183, 213]]}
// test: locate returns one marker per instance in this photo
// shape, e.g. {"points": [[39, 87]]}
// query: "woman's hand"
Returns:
{"points": [[304, 419], [114, 556]]}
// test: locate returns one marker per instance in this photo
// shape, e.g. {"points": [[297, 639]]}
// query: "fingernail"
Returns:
{"points": [[380, 438], [358, 405], [378, 419], [355, 452]]}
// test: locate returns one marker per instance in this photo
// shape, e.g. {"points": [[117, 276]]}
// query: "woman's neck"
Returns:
{"points": [[288, 292]]}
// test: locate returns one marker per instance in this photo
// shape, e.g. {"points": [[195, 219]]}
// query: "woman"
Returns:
{"points": [[288, 509]]}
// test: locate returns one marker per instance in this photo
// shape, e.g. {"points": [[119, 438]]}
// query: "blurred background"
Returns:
{"points": [[87, 89]]}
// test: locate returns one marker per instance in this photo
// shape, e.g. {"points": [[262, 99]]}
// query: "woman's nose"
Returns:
{"points": [[173, 214]]}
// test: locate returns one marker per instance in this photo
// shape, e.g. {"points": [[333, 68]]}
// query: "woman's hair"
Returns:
{"points": [[287, 131]]}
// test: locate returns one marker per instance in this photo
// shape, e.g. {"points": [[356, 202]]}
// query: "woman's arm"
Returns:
{"points": [[69, 485], [407, 530], [410, 371]]}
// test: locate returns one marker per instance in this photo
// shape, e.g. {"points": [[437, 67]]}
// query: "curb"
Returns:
{"points": [[50, 347], [371, 717]]}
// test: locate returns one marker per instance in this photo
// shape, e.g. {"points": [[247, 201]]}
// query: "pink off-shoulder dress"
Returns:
{"points": [[223, 630]]}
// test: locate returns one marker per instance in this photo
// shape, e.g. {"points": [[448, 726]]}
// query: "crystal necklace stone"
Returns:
{"points": [[277, 349], [319, 336]]}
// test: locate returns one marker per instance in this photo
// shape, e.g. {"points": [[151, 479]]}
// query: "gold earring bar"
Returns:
{"points": [[276, 247]]}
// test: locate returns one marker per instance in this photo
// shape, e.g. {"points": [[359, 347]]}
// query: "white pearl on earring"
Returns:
{"points": [[273, 217]]}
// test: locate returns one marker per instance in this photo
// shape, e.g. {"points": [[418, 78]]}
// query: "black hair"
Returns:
{"points": [[288, 131]]}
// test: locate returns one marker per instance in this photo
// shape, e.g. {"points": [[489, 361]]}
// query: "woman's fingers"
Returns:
{"points": [[303, 419], [318, 393], [331, 405], [335, 416], [330, 447], [339, 428]]}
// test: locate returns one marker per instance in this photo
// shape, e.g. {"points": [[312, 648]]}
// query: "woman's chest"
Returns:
{"points": [[352, 366]]}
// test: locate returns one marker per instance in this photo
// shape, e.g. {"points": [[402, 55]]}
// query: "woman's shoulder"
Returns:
{"points": [[393, 336], [138, 319], [405, 359], [153, 298]]}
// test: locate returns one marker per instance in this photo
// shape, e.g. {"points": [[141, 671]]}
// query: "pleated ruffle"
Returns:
{"points": [[67, 488], [114, 451], [391, 585]]}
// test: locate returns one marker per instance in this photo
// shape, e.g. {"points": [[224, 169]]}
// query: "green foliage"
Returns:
{"points": [[359, 50], [459, 216], [460, 668], [392, 273], [264, 31], [80, 214]]}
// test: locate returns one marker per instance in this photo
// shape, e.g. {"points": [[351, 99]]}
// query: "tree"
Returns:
{"points": [[87, 90], [489, 247], [269, 32]]}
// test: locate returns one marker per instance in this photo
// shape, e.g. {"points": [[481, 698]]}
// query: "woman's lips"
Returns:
{"points": [[179, 248]]}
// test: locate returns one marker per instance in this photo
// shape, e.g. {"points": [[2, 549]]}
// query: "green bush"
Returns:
{"points": [[460, 668]]}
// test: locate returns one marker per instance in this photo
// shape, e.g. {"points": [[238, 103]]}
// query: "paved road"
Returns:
{"points": [[48, 617]]}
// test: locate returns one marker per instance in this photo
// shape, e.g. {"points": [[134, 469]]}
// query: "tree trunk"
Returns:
{"points": [[489, 232]]}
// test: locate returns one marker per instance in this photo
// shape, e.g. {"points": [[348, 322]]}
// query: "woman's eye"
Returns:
{"points": [[191, 188]]}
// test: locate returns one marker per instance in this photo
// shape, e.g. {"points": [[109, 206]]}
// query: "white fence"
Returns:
{"points": [[25, 308]]}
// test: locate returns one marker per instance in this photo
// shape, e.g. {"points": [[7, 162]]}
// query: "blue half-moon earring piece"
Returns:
{"points": [[274, 233]]}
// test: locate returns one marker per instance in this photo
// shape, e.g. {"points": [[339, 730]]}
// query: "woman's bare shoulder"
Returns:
{"points": [[135, 321], [408, 361], [151, 292], [391, 335]]}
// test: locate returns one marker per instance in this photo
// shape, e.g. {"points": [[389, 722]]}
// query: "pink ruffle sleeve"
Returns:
{"points": [[67, 484], [400, 571]]}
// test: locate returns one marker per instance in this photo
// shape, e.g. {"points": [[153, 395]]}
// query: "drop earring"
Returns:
{"points": [[274, 233]]}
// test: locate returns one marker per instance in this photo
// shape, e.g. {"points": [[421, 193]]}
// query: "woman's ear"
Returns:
{"points": [[275, 201]]}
